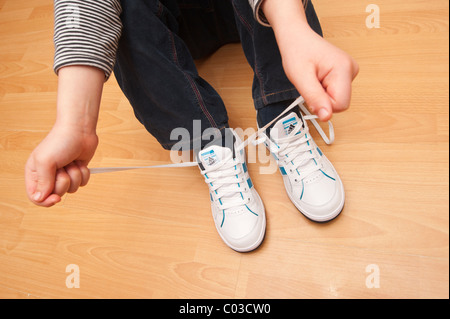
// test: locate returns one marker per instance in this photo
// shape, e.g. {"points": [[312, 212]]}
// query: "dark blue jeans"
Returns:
{"points": [[156, 71]]}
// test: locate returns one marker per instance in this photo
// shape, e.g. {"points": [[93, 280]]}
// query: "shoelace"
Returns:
{"points": [[227, 181], [297, 149], [299, 101]]}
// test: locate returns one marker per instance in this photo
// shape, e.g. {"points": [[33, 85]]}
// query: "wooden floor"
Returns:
{"points": [[149, 233]]}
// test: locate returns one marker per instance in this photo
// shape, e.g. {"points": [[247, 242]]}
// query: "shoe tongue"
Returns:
{"points": [[285, 126], [213, 155]]}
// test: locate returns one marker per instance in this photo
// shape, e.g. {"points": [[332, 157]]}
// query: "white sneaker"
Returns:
{"points": [[310, 179], [237, 209]]}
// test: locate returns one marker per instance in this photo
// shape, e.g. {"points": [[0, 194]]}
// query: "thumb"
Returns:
{"points": [[313, 92], [45, 182], [40, 179]]}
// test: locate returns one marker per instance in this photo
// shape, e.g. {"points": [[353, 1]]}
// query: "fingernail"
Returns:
{"points": [[323, 114], [37, 196]]}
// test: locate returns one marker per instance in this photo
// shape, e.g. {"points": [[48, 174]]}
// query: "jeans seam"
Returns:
{"points": [[198, 96], [160, 10], [263, 95], [264, 98], [249, 28], [244, 22]]}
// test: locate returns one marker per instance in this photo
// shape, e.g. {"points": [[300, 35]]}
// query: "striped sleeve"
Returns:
{"points": [[86, 32], [258, 13]]}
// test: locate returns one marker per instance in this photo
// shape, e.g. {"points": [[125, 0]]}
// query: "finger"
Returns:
{"points": [[314, 94], [85, 173], [339, 88], [74, 174], [355, 69], [51, 200], [62, 182], [30, 178], [338, 84]]}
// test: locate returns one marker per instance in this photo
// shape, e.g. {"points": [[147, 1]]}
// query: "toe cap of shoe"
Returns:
{"points": [[322, 200]]}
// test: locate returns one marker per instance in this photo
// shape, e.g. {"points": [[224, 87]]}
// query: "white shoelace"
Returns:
{"points": [[227, 181], [297, 150], [299, 101]]}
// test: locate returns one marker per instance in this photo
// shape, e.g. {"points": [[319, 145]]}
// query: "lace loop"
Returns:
{"points": [[226, 180], [297, 152]]}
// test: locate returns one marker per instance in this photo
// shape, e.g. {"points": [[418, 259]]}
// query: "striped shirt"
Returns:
{"points": [[87, 32]]}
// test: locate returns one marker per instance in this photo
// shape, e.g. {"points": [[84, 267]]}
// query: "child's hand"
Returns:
{"points": [[58, 165], [321, 72]]}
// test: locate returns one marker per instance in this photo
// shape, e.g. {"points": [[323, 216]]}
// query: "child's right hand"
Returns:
{"points": [[58, 165]]}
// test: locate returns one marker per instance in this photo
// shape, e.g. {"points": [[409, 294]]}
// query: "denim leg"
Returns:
{"points": [[272, 91], [157, 74]]}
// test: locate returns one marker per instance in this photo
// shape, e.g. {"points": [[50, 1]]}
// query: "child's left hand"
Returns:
{"points": [[321, 72]]}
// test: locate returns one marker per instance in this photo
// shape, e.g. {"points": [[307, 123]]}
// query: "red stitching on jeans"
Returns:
{"points": [[200, 100], [192, 83], [174, 49], [244, 22], [160, 9], [250, 30]]}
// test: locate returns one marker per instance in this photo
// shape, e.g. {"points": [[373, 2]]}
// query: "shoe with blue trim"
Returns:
{"points": [[237, 209], [311, 181]]}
